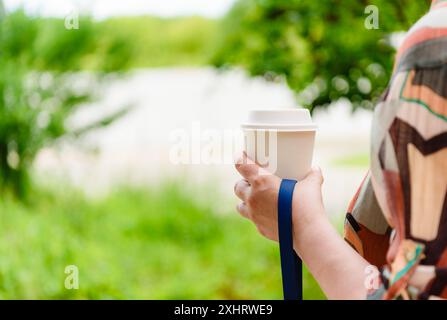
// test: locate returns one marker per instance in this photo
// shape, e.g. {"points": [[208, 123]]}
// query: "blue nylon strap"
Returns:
{"points": [[291, 265]]}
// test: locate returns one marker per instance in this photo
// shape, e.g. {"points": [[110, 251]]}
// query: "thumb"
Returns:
{"points": [[315, 175]]}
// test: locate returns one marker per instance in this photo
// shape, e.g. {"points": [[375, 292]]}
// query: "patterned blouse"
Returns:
{"points": [[398, 217]]}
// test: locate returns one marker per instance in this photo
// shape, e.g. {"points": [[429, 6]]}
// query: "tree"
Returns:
{"points": [[39, 88], [322, 48]]}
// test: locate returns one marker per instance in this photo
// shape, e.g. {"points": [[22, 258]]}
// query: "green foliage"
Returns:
{"points": [[38, 91], [31, 115], [39, 85], [157, 42], [135, 244], [321, 48]]}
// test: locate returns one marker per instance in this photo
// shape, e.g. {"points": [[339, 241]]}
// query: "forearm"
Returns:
{"points": [[338, 268]]}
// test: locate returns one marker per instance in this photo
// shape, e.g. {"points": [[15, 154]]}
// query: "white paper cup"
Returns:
{"points": [[282, 141]]}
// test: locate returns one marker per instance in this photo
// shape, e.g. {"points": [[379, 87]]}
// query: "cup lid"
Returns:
{"points": [[282, 120]]}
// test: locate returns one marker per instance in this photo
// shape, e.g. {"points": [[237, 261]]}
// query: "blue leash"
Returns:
{"points": [[291, 265]]}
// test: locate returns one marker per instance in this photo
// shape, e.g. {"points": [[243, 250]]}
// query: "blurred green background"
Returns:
{"points": [[162, 242], [134, 244]]}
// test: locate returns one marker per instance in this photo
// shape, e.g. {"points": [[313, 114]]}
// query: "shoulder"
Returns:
{"points": [[425, 44]]}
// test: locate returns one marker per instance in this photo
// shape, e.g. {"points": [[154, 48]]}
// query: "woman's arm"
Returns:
{"points": [[338, 268]]}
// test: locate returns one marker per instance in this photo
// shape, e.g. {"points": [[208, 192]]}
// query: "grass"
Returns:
{"points": [[134, 244], [352, 160]]}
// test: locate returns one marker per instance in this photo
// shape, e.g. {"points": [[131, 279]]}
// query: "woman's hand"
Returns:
{"points": [[337, 267], [259, 193]]}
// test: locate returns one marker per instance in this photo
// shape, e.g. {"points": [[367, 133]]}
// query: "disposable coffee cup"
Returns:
{"points": [[281, 141]]}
